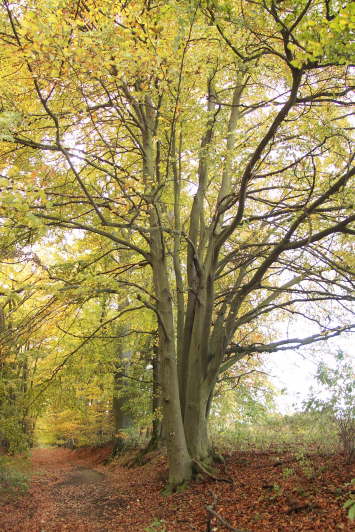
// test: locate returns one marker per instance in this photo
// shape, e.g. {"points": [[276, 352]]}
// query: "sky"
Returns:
{"points": [[294, 370]]}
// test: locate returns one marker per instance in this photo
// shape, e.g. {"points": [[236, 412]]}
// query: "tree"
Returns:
{"points": [[207, 140]]}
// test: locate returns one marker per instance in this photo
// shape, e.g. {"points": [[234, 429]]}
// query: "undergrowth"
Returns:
{"points": [[14, 479], [157, 525], [301, 431]]}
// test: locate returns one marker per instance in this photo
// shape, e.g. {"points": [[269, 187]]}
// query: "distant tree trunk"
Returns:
{"points": [[122, 417], [2, 321], [28, 423], [28, 426], [157, 436]]}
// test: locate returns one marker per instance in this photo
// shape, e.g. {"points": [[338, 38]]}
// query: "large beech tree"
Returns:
{"points": [[209, 142]]}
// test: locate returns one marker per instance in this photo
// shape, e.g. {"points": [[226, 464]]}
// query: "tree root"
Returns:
{"points": [[218, 458], [200, 468], [141, 457]]}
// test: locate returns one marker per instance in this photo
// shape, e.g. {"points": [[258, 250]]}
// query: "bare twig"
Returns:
{"points": [[211, 513]]}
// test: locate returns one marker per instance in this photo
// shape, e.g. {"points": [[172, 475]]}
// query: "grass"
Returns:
{"points": [[300, 432]]}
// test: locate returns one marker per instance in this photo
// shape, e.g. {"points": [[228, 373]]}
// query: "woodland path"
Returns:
{"points": [[73, 491], [69, 491]]}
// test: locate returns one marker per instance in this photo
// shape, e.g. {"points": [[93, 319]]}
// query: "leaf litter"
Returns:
{"points": [[75, 491]]}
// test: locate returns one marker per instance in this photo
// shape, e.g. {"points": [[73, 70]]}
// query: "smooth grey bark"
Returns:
{"points": [[179, 460]]}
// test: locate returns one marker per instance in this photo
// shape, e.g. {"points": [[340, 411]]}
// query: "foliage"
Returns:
{"points": [[12, 480], [243, 394], [349, 505], [336, 398], [243, 401], [23, 339], [73, 427], [12, 434]]}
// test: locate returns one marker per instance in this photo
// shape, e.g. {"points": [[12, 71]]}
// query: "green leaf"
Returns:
{"points": [[349, 503], [351, 513]]}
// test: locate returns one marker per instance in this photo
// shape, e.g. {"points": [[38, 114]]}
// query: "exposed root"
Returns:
{"points": [[201, 468], [119, 447], [142, 456], [218, 458]]}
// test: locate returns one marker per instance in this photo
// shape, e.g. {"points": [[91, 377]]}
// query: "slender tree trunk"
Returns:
{"points": [[2, 320], [122, 418]]}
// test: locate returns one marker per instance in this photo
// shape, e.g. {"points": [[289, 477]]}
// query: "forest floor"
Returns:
{"points": [[266, 491]]}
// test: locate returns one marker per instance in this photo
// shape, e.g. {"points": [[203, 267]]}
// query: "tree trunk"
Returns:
{"points": [[180, 465], [196, 423], [206, 354], [122, 418], [156, 438]]}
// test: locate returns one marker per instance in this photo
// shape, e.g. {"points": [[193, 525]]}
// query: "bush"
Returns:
{"points": [[12, 435], [349, 505], [336, 399], [12, 481], [346, 426]]}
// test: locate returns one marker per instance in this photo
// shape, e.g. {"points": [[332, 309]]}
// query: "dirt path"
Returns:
{"points": [[73, 491], [67, 493], [82, 497]]}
